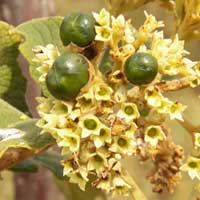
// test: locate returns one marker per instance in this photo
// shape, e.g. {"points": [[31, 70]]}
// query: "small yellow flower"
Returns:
{"points": [[79, 177], [61, 108], [164, 50], [128, 112], [118, 25], [154, 134], [129, 33], [85, 151], [106, 107], [104, 184], [103, 18], [45, 56], [97, 162], [76, 113], [192, 166], [104, 150], [197, 140], [103, 137], [69, 139], [102, 92], [165, 106], [194, 81], [130, 131], [123, 145], [50, 121], [90, 125], [150, 24], [120, 186], [176, 110], [103, 33], [45, 105], [68, 167], [85, 101], [153, 97], [188, 68]]}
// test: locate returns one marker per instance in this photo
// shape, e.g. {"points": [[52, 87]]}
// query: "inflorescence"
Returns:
{"points": [[112, 118]]}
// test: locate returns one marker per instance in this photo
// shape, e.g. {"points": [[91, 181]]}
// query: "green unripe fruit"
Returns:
{"points": [[141, 68], [78, 28], [69, 73]]}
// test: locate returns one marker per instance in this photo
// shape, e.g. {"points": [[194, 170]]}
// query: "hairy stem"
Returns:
{"points": [[173, 85]]}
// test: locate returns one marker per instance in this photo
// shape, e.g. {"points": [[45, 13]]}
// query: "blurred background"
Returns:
{"points": [[42, 185]]}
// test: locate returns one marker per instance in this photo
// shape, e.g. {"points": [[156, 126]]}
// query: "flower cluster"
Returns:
{"points": [[111, 118], [45, 56]]}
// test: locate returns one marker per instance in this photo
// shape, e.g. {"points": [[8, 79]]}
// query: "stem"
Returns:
{"points": [[136, 193], [173, 85]]}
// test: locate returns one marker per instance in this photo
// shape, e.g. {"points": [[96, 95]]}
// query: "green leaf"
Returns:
{"points": [[51, 161], [24, 135], [39, 32], [26, 166], [12, 82], [32, 135], [9, 114]]}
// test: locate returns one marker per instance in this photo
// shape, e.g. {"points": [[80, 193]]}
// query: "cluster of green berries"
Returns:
{"points": [[70, 71]]}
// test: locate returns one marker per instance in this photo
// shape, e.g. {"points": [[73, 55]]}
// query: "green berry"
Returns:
{"points": [[69, 73], [141, 68], [78, 28]]}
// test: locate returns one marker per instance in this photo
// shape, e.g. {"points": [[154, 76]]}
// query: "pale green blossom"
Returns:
{"points": [[131, 130], [102, 92], [67, 167], [118, 25], [124, 145], [103, 18], [90, 125], [154, 134], [128, 112], [120, 186], [69, 139], [79, 177], [103, 33], [61, 108], [97, 162], [85, 101], [129, 33], [44, 57], [45, 104], [153, 97], [103, 137], [104, 184], [192, 166], [176, 110]]}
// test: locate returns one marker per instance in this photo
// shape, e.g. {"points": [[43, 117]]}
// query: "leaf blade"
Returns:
{"points": [[12, 82]]}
